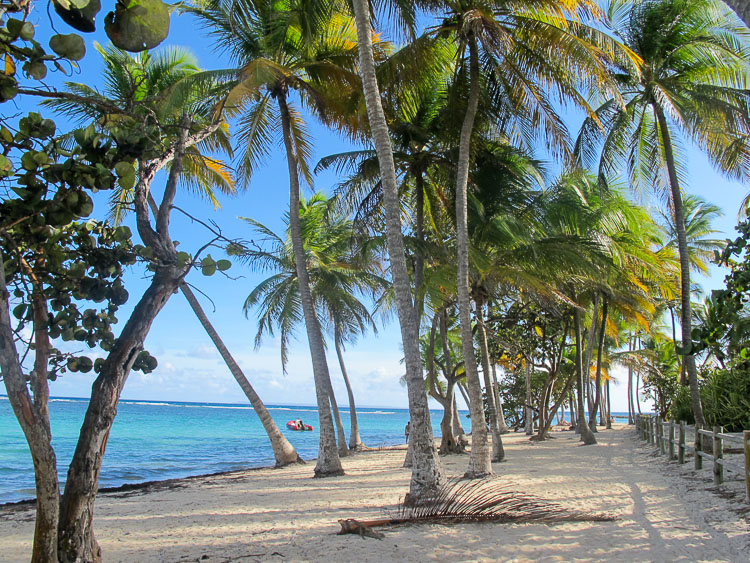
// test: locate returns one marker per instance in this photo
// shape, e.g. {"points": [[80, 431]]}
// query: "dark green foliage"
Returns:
{"points": [[726, 399]]}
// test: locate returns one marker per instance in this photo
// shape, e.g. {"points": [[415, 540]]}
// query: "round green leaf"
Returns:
{"points": [[36, 70], [138, 25], [6, 166], [70, 46], [78, 14], [223, 265]]}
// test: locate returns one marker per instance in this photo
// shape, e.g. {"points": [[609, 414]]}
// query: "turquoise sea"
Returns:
{"points": [[163, 440], [157, 440]]}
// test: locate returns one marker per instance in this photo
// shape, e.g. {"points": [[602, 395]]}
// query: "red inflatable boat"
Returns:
{"points": [[298, 425]]}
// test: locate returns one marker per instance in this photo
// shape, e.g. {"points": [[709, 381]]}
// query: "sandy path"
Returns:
{"points": [[284, 515]]}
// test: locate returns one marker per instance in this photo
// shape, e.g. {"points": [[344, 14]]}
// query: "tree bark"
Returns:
{"points": [[498, 401], [343, 448], [328, 463], [587, 436], [480, 463], [741, 8], [76, 541], [33, 417], [682, 247], [427, 471], [355, 441], [283, 451], [498, 452], [599, 350]]}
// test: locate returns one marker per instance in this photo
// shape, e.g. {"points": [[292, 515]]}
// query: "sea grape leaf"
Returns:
{"points": [[69, 46], [137, 25], [78, 14]]}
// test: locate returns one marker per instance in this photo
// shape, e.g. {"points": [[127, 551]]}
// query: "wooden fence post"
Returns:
{"points": [[652, 428], [746, 440], [718, 451], [671, 440], [698, 447], [660, 434], [681, 447]]}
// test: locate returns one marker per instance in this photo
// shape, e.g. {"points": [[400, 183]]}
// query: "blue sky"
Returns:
{"points": [[189, 367]]}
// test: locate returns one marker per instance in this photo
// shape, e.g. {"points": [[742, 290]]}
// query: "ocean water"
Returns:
{"points": [[163, 440], [152, 440]]}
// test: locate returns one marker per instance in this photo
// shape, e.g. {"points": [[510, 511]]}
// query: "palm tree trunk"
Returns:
{"points": [[587, 436], [355, 441], [458, 429], [589, 352], [343, 448], [480, 462], [498, 401], [328, 463], [682, 246], [419, 255], [283, 451], [680, 364], [528, 418], [599, 350], [609, 408], [427, 471], [741, 8], [33, 417], [498, 452]]}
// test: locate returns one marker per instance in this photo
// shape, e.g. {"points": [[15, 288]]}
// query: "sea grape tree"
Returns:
{"points": [[65, 273]]}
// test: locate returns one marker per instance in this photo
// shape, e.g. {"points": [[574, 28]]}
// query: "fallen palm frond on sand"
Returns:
{"points": [[475, 501]]}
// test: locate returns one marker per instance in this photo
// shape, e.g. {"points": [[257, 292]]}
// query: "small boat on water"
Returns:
{"points": [[298, 425]]}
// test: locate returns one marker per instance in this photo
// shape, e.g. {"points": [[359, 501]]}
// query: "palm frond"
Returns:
{"points": [[461, 501]]}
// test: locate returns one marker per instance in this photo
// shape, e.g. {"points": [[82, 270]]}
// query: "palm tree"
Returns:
{"points": [[692, 85], [286, 51], [523, 49], [427, 473], [153, 79], [698, 217], [340, 274]]}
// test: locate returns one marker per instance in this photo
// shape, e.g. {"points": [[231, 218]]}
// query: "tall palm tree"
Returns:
{"points": [[286, 53], [692, 86], [341, 273], [524, 49], [427, 473], [154, 79]]}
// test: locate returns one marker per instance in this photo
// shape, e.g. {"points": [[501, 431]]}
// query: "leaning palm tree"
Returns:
{"points": [[342, 272], [286, 53], [692, 87], [427, 474], [154, 79]]}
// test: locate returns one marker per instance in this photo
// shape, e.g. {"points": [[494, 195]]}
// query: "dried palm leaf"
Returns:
{"points": [[475, 501]]}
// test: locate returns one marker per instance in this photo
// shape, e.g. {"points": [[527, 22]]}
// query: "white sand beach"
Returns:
{"points": [[665, 512]]}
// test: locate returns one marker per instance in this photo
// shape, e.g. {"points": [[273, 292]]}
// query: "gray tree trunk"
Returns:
{"points": [[283, 452], [343, 448], [355, 441], [741, 8], [33, 417], [498, 452], [529, 417], [328, 463], [498, 401], [427, 471], [599, 350], [686, 318], [76, 540], [587, 436], [480, 461]]}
